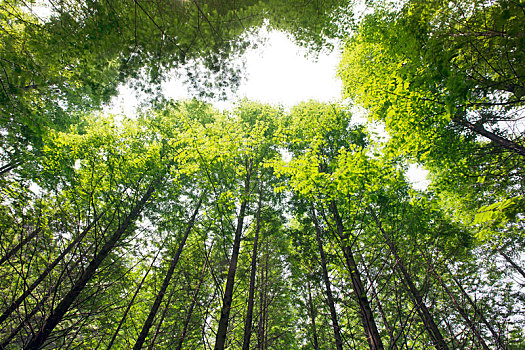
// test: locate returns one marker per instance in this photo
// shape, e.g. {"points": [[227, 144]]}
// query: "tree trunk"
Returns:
{"points": [[500, 141], [312, 317], [495, 334], [422, 310], [130, 304], [367, 317], [326, 279], [160, 295], [16, 248], [192, 306], [222, 329], [58, 313], [461, 311], [251, 293], [14, 305], [511, 262]]}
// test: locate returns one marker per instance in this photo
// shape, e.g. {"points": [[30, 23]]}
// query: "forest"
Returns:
{"points": [[183, 226]]}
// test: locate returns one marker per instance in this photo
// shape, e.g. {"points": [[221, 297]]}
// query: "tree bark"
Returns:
{"points": [[251, 293], [160, 295], [326, 279], [367, 317], [130, 304], [461, 311], [495, 334], [511, 262], [222, 329], [422, 310], [14, 305], [17, 247], [60, 310], [500, 141], [312, 317], [192, 306]]}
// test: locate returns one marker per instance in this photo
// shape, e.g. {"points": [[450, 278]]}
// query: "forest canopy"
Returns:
{"points": [[259, 227]]}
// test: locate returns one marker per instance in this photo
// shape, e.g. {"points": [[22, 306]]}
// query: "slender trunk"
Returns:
{"points": [[367, 317], [312, 317], [500, 141], [162, 316], [8, 167], [222, 329], [14, 305], [393, 339], [326, 279], [251, 293], [260, 327], [495, 334], [511, 262], [192, 306], [38, 307], [160, 295], [58, 313], [422, 310], [265, 309], [16, 248], [130, 304], [462, 311]]}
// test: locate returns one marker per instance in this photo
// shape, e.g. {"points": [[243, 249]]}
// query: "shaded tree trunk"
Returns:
{"points": [[367, 317], [326, 279], [192, 306], [14, 305], [60, 310], [422, 310], [17, 247], [160, 295], [222, 329], [251, 293], [477, 312], [130, 304], [312, 318]]}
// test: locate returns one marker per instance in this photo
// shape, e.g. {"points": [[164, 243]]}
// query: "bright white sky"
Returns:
{"points": [[278, 73]]}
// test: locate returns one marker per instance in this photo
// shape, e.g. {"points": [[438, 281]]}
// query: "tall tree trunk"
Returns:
{"points": [[326, 279], [60, 310], [260, 326], [251, 293], [160, 295], [192, 306], [367, 317], [222, 329], [132, 301], [312, 317], [17, 247], [500, 141], [15, 304], [477, 312], [461, 311], [511, 262], [422, 310]]}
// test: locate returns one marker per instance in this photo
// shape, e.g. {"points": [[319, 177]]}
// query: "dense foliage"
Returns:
{"points": [[185, 227]]}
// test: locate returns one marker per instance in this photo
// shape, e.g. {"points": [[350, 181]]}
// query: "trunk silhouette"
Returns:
{"points": [[326, 279], [422, 310], [367, 317], [193, 303], [60, 310], [222, 329], [160, 295], [14, 305], [17, 247], [251, 293], [312, 317]]}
